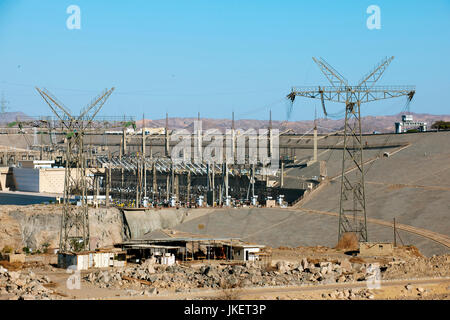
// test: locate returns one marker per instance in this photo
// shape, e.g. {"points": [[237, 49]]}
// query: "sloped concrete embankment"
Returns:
{"points": [[38, 225], [138, 223]]}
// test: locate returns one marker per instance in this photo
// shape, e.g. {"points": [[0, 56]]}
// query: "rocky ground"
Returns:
{"points": [[153, 278], [296, 273], [218, 276], [25, 285]]}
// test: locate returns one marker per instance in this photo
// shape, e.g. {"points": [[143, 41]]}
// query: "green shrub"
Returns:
{"points": [[45, 247], [7, 249], [442, 125], [76, 245]]}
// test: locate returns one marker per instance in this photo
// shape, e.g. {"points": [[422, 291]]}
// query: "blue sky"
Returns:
{"points": [[215, 56]]}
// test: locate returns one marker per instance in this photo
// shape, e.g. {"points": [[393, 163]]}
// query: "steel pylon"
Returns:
{"points": [[74, 231], [352, 203]]}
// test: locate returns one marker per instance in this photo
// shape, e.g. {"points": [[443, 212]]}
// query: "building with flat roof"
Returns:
{"points": [[408, 123]]}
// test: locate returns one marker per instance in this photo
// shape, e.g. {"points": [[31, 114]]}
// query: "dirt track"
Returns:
{"points": [[439, 238]]}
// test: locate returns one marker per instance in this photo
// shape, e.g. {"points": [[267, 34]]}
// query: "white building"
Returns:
{"points": [[92, 259], [408, 123], [246, 252]]}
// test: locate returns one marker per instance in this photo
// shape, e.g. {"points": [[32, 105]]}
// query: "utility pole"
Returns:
{"points": [[144, 166], [177, 187], [315, 137], [138, 181], [167, 148], [395, 235], [213, 174], [155, 185], [226, 180], [167, 186], [352, 195], [270, 134], [233, 139], [124, 141], [253, 180], [108, 180], [189, 187], [3, 104]]}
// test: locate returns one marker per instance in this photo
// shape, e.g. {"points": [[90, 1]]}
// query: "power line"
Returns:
{"points": [[3, 103]]}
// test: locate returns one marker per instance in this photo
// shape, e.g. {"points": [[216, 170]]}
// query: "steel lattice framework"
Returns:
{"points": [[352, 207], [74, 233]]}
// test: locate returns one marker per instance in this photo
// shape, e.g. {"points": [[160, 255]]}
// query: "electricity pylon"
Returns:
{"points": [[74, 232], [352, 207]]}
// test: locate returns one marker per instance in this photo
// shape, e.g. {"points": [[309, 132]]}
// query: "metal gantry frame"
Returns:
{"points": [[74, 232], [352, 193], [172, 170]]}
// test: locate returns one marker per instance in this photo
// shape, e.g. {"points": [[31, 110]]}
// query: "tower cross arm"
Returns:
{"points": [[333, 76], [57, 107], [329, 93], [357, 93], [372, 77], [375, 93], [94, 107]]}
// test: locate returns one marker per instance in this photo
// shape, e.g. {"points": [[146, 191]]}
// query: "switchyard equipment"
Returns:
{"points": [[74, 233], [352, 194]]}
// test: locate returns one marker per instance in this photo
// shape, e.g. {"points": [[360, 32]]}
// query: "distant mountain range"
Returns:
{"points": [[8, 117], [382, 124], [370, 124]]}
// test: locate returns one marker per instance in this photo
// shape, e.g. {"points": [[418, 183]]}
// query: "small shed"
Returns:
{"points": [[246, 252], [92, 259], [15, 257], [376, 248]]}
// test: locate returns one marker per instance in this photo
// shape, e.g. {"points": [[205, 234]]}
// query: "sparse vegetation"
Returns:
{"points": [[7, 249], [441, 125], [230, 290], [76, 245], [45, 247]]}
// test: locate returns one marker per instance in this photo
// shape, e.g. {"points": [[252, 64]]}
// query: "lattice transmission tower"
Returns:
{"points": [[74, 232], [352, 207]]}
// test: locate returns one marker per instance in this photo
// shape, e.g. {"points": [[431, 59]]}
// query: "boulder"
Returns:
{"points": [[27, 297], [282, 266], [304, 263], [150, 268], [346, 265], [329, 279], [206, 270], [104, 277], [38, 288], [14, 275], [323, 270], [21, 282]]}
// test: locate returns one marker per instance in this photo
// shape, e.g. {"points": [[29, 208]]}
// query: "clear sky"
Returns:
{"points": [[217, 56]]}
